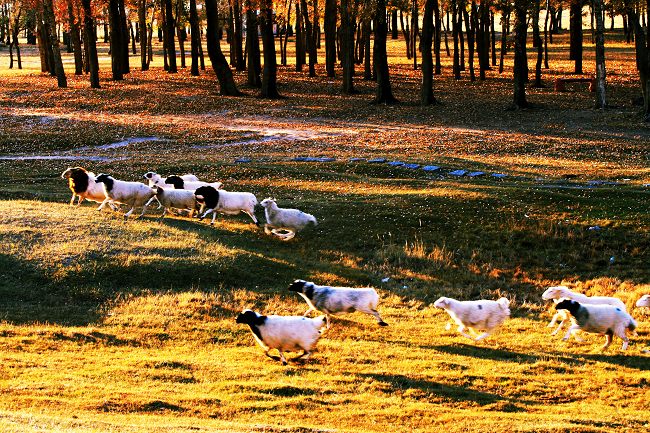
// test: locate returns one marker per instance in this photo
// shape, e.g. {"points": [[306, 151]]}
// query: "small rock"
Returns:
{"points": [[377, 160], [430, 168], [458, 173]]}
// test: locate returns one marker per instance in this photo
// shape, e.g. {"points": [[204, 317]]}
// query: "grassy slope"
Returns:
{"points": [[114, 326]]}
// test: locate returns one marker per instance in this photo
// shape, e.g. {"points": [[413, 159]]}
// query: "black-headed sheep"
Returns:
{"points": [[133, 194], [225, 202]]}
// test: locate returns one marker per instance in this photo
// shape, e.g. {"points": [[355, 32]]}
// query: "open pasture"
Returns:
{"points": [[107, 325]]}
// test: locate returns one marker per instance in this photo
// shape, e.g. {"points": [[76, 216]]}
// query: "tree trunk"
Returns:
{"points": [[252, 46], [240, 60], [437, 36], [642, 46], [168, 36], [269, 72], [142, 28], [347, 46], [116, 40], [76, 40], [426, 91], [394, 32], [195, 39], [48, 13], [299, 38], [601, 100], [537, 43], [125, 38], [330, 37], [455, 31], [504, 36], [576, 35], [415, 31], [384, 94], [91, 40], [546, 32], [311, 41], [219, 63], [520, 70], [367, 55], [470, 28]]}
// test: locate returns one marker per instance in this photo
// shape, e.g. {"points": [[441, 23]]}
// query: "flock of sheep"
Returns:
{"points": [[182, 193], [596, 314]]}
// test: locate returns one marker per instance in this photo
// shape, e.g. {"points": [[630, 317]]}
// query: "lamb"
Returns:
{"points": [[179, 183], [83, 184], [174, 199], [284, 333], [338, 300], [599, 319], [134, 194], [225, 202], [562, 292], [644, 301], [482, 315], [157, 180], [284, 223]]}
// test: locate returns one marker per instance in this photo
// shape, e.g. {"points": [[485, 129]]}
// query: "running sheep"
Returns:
{"points": [[133, 194], [284, 223], [180, 199], [155, 179], [338, 300], [83, 185], [599, 319], [225, 202], [179, 183], [558, 293], [482, 315], [284, 333]]}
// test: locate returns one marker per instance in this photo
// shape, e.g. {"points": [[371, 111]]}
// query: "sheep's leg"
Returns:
{"points": [[558, 328], [377, 316], [128, 214], [144, 209], [553, 320], [214, 215], [448, 325], [288, 236], [104, 203], [327, 321], [482, 336], [80, 200], [207, 212], [152, 199], [609, 336], [309, 311], [164, 213], [252, 215], [72, 199], [267, 230], [571, 331], [461, 329], [113, 207], [282, 358]]}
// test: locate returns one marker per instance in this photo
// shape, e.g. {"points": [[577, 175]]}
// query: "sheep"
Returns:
{"points": [[283, 333], [599, 319], [179, 183], [225, 202], [644, 301], [284, 223], [338, 300], [174, 198], [83, 184], [133, 194], [482, 315], [562, 292], [155, 179]]}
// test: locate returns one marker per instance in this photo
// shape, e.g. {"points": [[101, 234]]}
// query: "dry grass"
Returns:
{"points": [[129, 326]]}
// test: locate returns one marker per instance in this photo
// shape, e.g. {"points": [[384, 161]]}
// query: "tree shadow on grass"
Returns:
{"points": [[638, 362], [498, 354]]}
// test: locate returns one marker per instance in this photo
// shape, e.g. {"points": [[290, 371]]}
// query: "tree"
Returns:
{"points": [[253, 46], [384, 93], [330, 37], [311, 40], [426, 91], [270, 70], [520, 69], [576, 35], [91, 42], [219, 63], [48, 13], [168, 36], [601, 100], [347, 45], [142, 19], [76, 40], [116, 40], [642, 47]]}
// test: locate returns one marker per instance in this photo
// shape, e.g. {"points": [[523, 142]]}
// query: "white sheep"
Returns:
{"points": [[482, 315], [284, 333], [133, 194], [179, 183], [600, 319], [180, 199], [644, 301], [284, 223], [563, 292], [225, 202], [155, 179], [338, 300], [83, 185]]}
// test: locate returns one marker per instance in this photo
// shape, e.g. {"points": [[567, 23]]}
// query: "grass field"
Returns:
{"points": [[107, 325]]}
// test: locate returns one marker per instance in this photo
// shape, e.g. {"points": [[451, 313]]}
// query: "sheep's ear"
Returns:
{"points": [[199, 197]]}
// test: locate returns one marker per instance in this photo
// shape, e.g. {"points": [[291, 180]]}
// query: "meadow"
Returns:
{"points": [[129, 326]]}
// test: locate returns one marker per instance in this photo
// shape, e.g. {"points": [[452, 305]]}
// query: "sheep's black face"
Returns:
{"points": [[567, 304], [297, 286], [148, 175], [250, 317], [106, 180], [176, 181], [208, 195]]}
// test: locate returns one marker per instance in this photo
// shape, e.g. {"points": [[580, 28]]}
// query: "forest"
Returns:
{"points": [[495, 152]]}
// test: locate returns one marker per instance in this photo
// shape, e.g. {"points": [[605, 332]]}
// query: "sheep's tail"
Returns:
{"points": [[313, 220]]}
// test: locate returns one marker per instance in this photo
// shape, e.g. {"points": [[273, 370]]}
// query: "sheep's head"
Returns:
{"points": [[442, 302], [297, 286], [177, 181], [250, 317], [644, 301], [267, 202], [71, 171], [555, 292], [149, 175], [568, 304], [102, 178]]}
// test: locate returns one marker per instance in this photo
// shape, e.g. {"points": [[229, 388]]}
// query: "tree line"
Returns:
{"points": [[346, 27]]}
